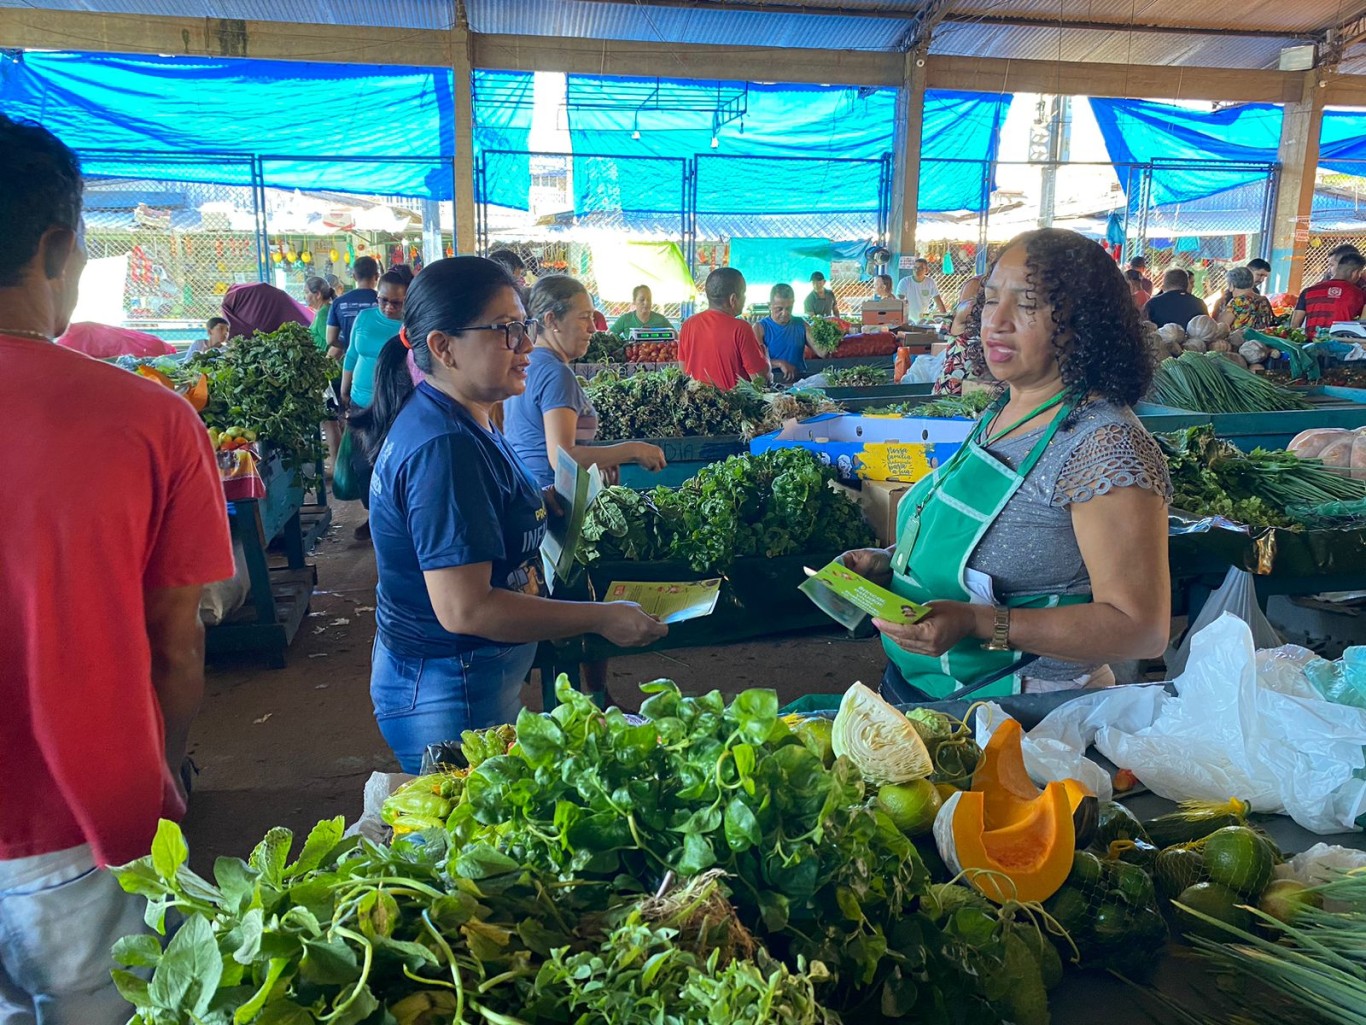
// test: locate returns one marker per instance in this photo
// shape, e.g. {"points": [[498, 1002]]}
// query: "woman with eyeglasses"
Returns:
{"points": [[457, 520], [554, 412], [370, 331]]}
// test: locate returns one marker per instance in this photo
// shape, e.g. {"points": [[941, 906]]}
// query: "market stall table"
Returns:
{"points": [[264, 506]]}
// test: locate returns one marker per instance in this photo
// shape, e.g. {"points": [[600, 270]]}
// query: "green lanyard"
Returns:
{"points": [[1052, 403]]}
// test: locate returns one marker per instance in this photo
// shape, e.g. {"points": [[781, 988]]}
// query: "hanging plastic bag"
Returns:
{"points": [[924, 370], [1236, 595], [351, 473], [1228, 734], [222, 598]]}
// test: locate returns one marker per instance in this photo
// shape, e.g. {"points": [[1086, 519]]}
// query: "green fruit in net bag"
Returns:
{"points": [[1238, 858], [1178, 867], [1116, 822], [912, 806], [1219, 903], [1132, 884], [1070, 910], [1087, 871]]}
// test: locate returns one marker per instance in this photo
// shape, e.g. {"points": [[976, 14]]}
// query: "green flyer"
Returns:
{"points": [[847, 598]]}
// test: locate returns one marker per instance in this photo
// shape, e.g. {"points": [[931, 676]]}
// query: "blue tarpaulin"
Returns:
{"points": [[504, 104], [781, 148], [1342, 143], [959, 142], [371, 129], [1195, 153]]}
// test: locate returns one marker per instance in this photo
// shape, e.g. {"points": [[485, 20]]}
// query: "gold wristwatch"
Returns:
{"points": [[1000, 631]]}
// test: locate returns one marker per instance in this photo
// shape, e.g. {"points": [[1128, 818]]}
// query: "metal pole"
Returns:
{"points": [[258, 191]]}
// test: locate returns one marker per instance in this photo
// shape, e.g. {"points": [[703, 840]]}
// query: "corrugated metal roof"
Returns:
{"points": [[1026, 42], [1290, 16], [411, 14], [592, 19]]}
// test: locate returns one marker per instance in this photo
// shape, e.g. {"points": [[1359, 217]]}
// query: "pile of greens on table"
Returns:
{"points": [[1209, 383], [1210, 477], [858, 377], [669, 404], [776, 503], [708, 865], [966, 407]]}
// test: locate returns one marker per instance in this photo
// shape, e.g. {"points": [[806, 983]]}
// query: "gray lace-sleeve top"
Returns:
{"points": [[1032, 548]]}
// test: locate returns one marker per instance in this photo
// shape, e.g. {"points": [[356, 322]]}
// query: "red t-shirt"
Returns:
{"points": [[1328, 302], [110, 487], [719, 348]]}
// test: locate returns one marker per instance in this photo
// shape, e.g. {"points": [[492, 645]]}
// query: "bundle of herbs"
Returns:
{"points": [[1209, 383], [825, 337], [775, 503], [1210, 477], [271, 382], [866, 376], [668, 404]]}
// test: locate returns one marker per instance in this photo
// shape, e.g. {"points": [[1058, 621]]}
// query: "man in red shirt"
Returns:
{"points": [[115, 519], [1339, 298], [715, 345]]}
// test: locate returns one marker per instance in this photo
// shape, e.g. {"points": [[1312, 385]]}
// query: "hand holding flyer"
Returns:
{"points": [[847, 598]]}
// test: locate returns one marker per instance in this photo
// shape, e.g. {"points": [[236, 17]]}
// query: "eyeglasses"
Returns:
{"points": [[516, 335]]}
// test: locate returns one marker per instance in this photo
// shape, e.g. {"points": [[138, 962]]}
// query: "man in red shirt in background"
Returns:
{"points": [[715, 345], [1339, 298], [115, 520]]}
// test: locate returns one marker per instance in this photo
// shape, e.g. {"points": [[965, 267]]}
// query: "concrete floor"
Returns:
{"points": [[294, 745]]}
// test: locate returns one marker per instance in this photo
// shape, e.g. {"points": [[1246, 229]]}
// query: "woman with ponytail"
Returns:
{"points": [[457, 520]]}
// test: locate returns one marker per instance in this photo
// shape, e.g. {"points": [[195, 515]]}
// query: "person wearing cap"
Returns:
{"points": [[821, 303]]}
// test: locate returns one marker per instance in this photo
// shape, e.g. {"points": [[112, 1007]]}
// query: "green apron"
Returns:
{"points": [[940, 522]]}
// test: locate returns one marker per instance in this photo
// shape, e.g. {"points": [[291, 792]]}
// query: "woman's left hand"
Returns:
{"points": [[948, 623]]}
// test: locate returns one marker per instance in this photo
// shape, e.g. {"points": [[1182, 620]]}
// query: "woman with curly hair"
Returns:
{"points": [[1041, 546]]}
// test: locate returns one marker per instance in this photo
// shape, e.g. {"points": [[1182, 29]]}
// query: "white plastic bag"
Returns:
{"points": [[924, 370], [221, 599], [1227, 735], [1236, 595], [377, 790]]}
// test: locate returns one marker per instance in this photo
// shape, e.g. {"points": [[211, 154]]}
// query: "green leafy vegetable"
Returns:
{"points": [[1209, 383], [825, 336], [858, 377]]}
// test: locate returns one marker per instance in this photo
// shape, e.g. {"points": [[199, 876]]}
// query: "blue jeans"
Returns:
{"points": [[59, 917], [421, 701]]}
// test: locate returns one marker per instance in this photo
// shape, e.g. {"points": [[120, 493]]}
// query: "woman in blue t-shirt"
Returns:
{"points": [[554, 412], [457, 520]]}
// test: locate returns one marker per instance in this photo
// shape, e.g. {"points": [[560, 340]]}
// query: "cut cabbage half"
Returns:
{"points": [[879, 739]]}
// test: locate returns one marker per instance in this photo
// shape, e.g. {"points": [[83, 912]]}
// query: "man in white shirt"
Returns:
{"points": [[918, 291]]}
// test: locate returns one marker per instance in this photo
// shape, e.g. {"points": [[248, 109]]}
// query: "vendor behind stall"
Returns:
{"points": [[554, 412], [1339, 298], [261, 307], [458, 520], [1042, 544], [783, 335], [716, 345], [821, 302], [641, 316]]}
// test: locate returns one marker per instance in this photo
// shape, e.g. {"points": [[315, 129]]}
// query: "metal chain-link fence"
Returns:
{"points": [[1338, 218]]}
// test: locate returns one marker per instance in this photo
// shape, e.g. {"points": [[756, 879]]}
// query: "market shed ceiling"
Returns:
{"points": [[1207, 33]]}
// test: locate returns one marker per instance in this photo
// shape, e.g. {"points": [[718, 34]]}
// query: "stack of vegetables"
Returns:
{"points": [[775, 503], [710, 864], [1210, 477], [605, 347], [668, 404], [858, 377], [1209, 383]]}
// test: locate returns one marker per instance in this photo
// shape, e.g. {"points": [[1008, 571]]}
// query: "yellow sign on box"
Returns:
{"points": [[890, 460]]}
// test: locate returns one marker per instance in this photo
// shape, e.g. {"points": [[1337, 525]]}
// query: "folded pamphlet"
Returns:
{"points": [[847, 598], [672, 601]]}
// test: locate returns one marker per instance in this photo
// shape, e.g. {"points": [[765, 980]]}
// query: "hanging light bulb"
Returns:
{"points": [[715, 142], [636, 135]]}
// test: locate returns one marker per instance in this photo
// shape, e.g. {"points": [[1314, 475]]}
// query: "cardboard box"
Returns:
{"points": [[879, 500], [901, 449], [882, 312]]}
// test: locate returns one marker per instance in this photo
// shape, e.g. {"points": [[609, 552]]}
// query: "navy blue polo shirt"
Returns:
{"points": [[446, 492]]}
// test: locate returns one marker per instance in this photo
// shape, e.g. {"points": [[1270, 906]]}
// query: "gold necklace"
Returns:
{"points": [[19, 333]]}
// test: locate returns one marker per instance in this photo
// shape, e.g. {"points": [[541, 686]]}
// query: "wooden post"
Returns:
{"points": [[906, 141], [1299, 160], [462, 69]]}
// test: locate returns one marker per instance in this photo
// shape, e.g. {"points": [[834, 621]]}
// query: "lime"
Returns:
{"points": [[1112, 925], [911, 806], [816, 734], [946, 790], [1086, 871], [1133, 884], [1219, 903], [1069, 908], [1238, 858], [1178, 867]]}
